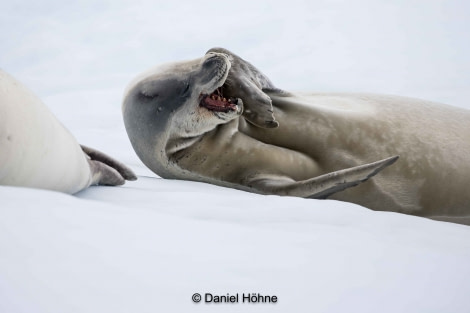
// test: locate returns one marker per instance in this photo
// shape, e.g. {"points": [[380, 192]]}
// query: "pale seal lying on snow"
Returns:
{"points": [[37, 151], [185, 121]]}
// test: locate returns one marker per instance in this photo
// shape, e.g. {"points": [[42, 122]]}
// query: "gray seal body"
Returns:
{"points": [[218, 119]]}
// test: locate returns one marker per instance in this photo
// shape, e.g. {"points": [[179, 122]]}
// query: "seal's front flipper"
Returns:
{"points": [[246, 82], [257, 106], [105, 170], [322, 186]]}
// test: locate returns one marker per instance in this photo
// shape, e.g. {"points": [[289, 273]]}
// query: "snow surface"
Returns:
{"points": [[150, 245]]}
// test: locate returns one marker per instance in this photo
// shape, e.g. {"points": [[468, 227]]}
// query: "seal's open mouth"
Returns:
{"points": [[217, 102]]}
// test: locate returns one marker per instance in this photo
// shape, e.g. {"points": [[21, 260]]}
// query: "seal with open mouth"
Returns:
{"points": [[218, 119], [185, 121]]}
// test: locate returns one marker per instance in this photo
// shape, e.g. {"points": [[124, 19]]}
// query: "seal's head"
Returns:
{"points": [[170, 105]]}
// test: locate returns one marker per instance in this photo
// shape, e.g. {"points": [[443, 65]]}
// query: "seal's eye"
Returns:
{"points": [[186, 88]]}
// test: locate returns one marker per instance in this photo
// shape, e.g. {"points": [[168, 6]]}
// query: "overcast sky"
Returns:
{"points": [[416, 48]]}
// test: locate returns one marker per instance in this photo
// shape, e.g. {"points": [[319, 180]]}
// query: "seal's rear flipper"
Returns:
{"points": [[322, 186], [105, 170], [246, 82]]}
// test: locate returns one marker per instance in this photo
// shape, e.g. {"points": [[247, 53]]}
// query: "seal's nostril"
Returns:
{"points": [[212, 61], [211, 55]]}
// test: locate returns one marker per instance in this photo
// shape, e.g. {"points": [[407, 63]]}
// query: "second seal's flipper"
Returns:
{"points": [[106, 170], [322, 186], [102, 174]]}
